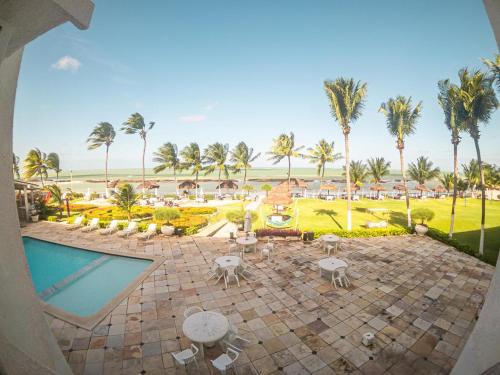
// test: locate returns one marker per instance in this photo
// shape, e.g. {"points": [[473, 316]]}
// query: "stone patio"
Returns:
{"points": [[418, 296]]}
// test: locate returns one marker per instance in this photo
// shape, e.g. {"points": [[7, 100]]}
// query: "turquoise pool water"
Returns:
{"points": [[78, 281]]}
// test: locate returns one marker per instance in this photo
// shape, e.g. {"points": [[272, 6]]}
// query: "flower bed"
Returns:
{"points": [[265, 232], [197, 210]]}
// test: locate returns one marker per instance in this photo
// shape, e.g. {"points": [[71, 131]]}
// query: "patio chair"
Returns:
{"points": [[251, 234], [330, 249], [340, 275], [267, 250], [192, 310], [244, 268], [215, 272], [234, 248], [110, 229], [76, 224], [225, 361], [131, 229], [150, 232], [232, 337], [231, 272], [186, 357], [93, 225]]}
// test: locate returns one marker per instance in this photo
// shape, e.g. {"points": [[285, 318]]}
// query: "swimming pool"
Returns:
{"points": [[77, 281]]}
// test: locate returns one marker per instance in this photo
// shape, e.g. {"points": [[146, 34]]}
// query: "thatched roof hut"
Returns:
{"points": [[399, 187], [328, 187], [228, 184], [113, 184], [149, 185], [439, 189], [276, 198], [188, 185], [377, 187], [421, 188], [295, 183]]}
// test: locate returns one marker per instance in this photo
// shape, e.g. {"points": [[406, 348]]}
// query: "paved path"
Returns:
{"points": [[230, 227]]}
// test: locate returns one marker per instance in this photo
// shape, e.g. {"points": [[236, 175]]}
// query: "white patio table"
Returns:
{"points": [[330, 239], [205, 328], [228, 261], [330, 264], [247, 241]]}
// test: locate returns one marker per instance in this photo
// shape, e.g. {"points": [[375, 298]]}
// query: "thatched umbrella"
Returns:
{"points": [[399, 187], [328, 187], [228, 184], [353, 187], [149, 185], [378, 188], [278, 199], [439, 189], [421, 188], [113, 184], [188, 185]]}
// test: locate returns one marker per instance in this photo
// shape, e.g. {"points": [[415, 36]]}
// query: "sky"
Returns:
{"points": [[231, 71]]}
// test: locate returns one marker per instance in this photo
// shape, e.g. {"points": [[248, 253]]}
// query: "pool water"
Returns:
{"points": [[80, 282]]}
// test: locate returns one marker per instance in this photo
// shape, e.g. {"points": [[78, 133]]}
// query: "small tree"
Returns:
{"points": [[248, 188], [267, 188], [57, 197], [125, 199], [423, 214]]}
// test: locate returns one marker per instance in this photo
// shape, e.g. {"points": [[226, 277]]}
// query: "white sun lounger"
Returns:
{"points": [[93, 225], [150, 232], [76, 224], [112, 227], [131, 229]]}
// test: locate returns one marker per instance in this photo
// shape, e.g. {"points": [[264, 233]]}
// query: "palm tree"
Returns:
{"points": [[448, 181], [284, 147], [215, 158], [57, 196], [54, 164], [168, 157], [35, 164], [267, 188], [401, 119], [359, 172], [136, 125], [478, 101], [346, 102], [321, 154], [15, 166], [471, 174], [125, 199], [241, 157], [378, 168], [193, 160], [102, 134], [448, 99], [494, 66], [423, 171]]}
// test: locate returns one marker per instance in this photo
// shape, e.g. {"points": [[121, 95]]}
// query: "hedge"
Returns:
{"points": [[198, 210], [80, 207], [113, 212], [187, 221], [363, 232]]}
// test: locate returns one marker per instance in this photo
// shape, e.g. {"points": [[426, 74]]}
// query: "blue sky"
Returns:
{"points": [[231, 71]]}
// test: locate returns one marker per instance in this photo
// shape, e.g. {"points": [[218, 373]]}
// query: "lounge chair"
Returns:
{"points": [[131, 229], [111, 228], [76, 224], [150, 232], [93, 225]]}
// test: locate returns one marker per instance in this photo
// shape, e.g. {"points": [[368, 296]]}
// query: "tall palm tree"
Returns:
{"points": [[126, 199], [53, 163], [284, 147], [136, 125], [168, 158], [478, 101], [423, 170], [401, 119], [102, 134], [15, 166], [215, 158], [449, 101], [321, 154], [241, 157], [494, 66], [35, 164], [347, 99], [378, 168], [57, 196], [448, 181], [359, 172], [192, 159], [471, 174]]}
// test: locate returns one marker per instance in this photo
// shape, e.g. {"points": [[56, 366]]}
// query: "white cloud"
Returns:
{"points": [[211, 106], [192, 118], [67, 63]]}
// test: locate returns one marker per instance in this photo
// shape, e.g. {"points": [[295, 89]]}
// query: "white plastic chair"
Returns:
{"points": [[150, 232], [267, 250], [234, 248], [131, 229], [225, 361], [76, 224], [192, 310], [330, 249], [231, 272], [215, 271], [186, 357], [94, 224], [232, 336], [340, 275], [112, 227]]}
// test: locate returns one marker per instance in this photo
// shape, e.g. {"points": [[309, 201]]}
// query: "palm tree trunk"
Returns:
{"points": [[57, 177], [175, 182], [143, 169], [218, 182], [455, 178], [196, 183], [245, 177], [483, 196], [348, 180], [405, 184], [322, 175], [106, 171], [289, 170], [41, 179]]}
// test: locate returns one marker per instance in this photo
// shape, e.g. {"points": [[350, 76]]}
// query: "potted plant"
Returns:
{"points": [[165, 215], [424, 215]]}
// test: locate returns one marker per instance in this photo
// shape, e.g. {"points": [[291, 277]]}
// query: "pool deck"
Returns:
{"points": [[418, 296]]}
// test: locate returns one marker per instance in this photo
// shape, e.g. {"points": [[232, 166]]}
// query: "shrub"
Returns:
{"points": [[422, 214], [362, 232], [113, 212], [52, 219], [187, 221], [166, 214], [238, 216], [263, 232], [198, 210], [81, 207]]}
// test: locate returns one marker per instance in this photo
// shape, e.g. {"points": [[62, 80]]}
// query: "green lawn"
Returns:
{"points": [[315, 214]]}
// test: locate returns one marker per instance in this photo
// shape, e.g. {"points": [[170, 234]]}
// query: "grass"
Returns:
{"points": [[315, 215]]}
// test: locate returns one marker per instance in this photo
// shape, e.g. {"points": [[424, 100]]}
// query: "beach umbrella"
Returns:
{"points": [[188, 185], [113, 184], [399, 187], [421, 188], [377, 187], [229, 184], [150, 185], [328, 187], [439, 189], [247, 225]]}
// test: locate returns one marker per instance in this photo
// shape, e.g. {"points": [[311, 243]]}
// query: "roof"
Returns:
{"points": [[20, 185], [229, 184]]}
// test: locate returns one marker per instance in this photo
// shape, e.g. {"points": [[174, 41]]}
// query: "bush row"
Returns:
{"points": [[198, 210], [362, 232]]}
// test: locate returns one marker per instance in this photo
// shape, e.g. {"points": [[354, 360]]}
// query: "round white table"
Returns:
{"points": [[330, 239], [247, 241], [228, 261], [205, 327], [330, 264]]}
